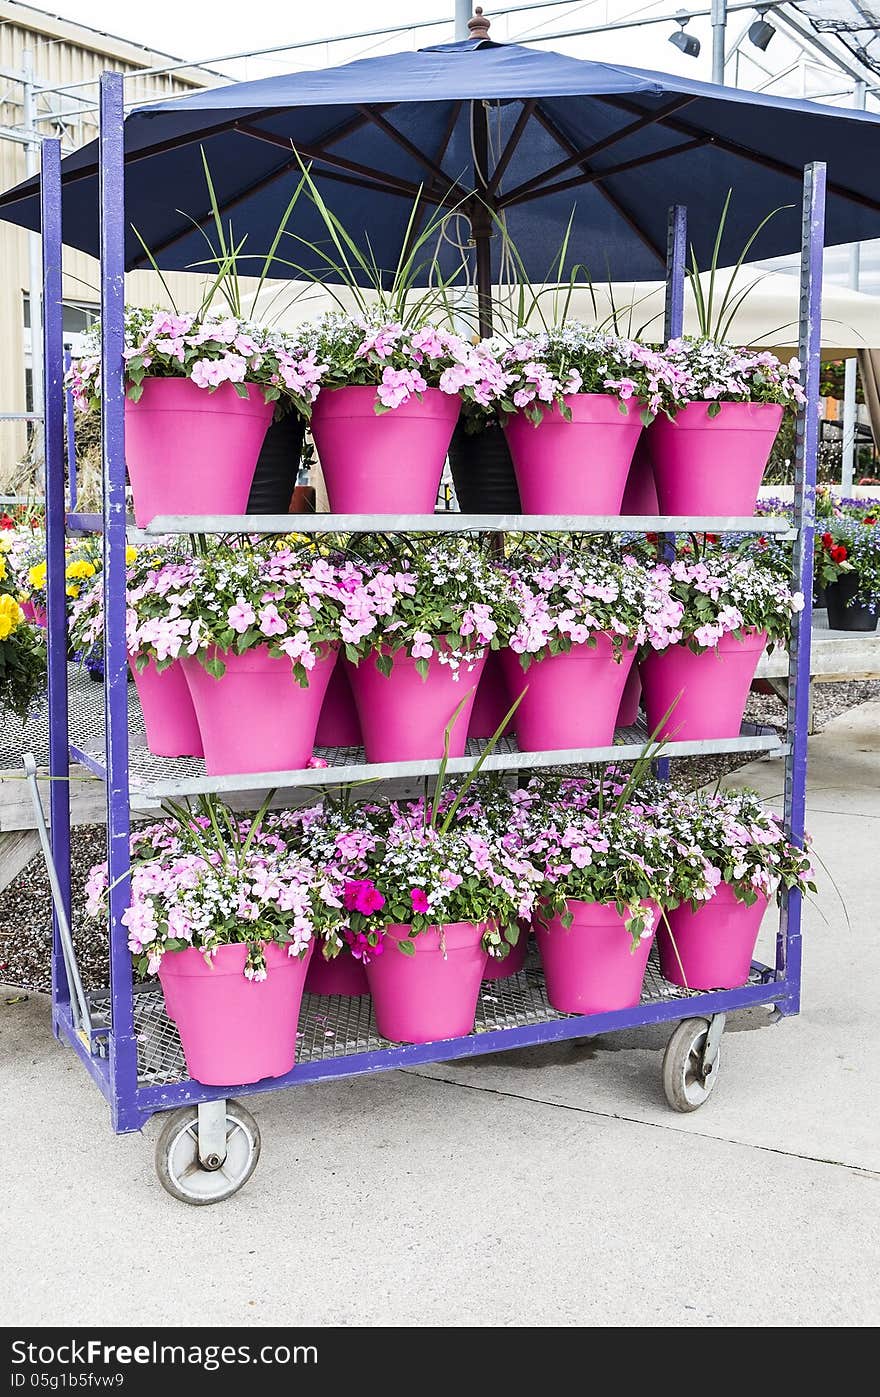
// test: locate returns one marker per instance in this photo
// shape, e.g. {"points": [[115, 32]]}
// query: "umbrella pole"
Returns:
{"points": [[481, 216]]}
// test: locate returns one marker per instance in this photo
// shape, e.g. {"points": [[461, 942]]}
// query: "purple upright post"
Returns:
{"points": [[71, 440], [673, 325], [676, 255], [123, 1048], [56, 600], [788, 948]]}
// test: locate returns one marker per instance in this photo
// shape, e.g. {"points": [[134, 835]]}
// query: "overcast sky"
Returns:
{"points": [[203, 29]]}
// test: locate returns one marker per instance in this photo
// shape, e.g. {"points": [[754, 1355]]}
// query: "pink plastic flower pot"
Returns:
{"points": [[256, 717], [491, 702], [590, 967], [167, 708], [192, 451], [403, 717], [343, 975], [711, 687], [572, 699], [382, 463], [714, 945], [712, 465], [338, 724], [432, 994], [513, 961], [628, 712], [234, 1030], [640, 494], [576, 467], [33, 612]]}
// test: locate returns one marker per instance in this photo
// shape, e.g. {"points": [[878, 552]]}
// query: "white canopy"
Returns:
{"points": [[768, 317]]}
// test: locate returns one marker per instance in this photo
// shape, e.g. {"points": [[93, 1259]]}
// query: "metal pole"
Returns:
{"points": [[850, 367], [123, 1047], [35, 271], [51, 359], [719, 30], [70, 434], [462, 15], [676, 257], [788, 947], [673, 327]]}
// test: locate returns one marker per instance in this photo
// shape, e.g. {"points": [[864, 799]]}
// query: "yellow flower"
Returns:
{"points": [[37, 576], [2, 569], [10, 616], [130, 555], [81, 568], [72, 591]]}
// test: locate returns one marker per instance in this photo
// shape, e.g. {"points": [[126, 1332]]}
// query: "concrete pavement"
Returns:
{"points": [[547, 1186]]}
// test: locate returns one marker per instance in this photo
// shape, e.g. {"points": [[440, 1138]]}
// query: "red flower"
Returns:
{"points": [[651, 538], [827, 541], [838, 554], [762, 542], [711, 538], [870, 520]]}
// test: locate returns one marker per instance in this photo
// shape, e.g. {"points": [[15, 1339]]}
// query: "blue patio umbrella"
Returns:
{"points": [[535, 137]]}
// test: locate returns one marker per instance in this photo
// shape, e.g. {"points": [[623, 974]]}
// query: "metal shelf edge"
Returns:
{"points": [[453, 523], [154, 792]]}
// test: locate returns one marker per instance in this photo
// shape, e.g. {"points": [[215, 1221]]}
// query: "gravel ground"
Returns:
{"points": [[25, 906]]}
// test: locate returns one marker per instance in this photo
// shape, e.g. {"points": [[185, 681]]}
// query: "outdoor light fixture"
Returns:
{"points": [[689, 44], [761, 32]]}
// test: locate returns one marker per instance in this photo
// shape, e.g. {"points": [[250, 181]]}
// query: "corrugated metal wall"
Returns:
{"points": [[61, 54]]}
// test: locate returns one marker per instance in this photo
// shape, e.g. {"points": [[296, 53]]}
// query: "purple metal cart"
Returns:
{"points": [[210, 1144]]}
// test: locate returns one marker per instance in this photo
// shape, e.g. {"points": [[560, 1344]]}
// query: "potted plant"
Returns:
{"points": [[157, 577], [257, 630], [722, 409], [418, 624], [390, 397], [848, 563], [708, 940], [428, 901], [581, 614], [22, 654], [201, 391], [708, 617], [607, 869], [574, 406], [227, 919]]}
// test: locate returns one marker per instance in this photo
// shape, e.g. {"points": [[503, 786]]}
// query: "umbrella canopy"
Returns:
{"points": [[539, 137]]}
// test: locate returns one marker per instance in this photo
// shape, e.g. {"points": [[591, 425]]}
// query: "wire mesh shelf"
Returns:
{"points": [[153, 779], [334, 1026]]}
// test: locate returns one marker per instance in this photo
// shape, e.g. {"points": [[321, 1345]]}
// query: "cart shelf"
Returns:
{"points": [[451, 522], [154, 779], [338, 1035]]}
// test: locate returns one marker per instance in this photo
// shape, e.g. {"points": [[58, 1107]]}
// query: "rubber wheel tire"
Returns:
{"points": [[177, 1158], [684, 1087]]}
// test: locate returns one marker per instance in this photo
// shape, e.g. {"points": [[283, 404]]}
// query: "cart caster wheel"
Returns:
{"points": [[182, 1173], [688, 1079]]}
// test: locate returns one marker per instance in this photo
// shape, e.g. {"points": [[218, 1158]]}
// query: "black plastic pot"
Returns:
{"points": [[482, 472], [845, 614], [820, 597], [277, 466]]}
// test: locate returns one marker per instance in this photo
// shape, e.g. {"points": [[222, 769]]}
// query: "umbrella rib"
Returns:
{"points": [[353, 167], [622, 212], [594, 176], [597, 147], [512, 142], [372, 114], [769, 162]]}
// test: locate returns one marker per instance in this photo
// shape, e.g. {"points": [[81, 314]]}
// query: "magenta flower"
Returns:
{"points": [[419, 899], [362, 895]]}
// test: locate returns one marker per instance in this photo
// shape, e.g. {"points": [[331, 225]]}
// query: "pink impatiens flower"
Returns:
{"points": [[241, 616], [419, 899]]}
